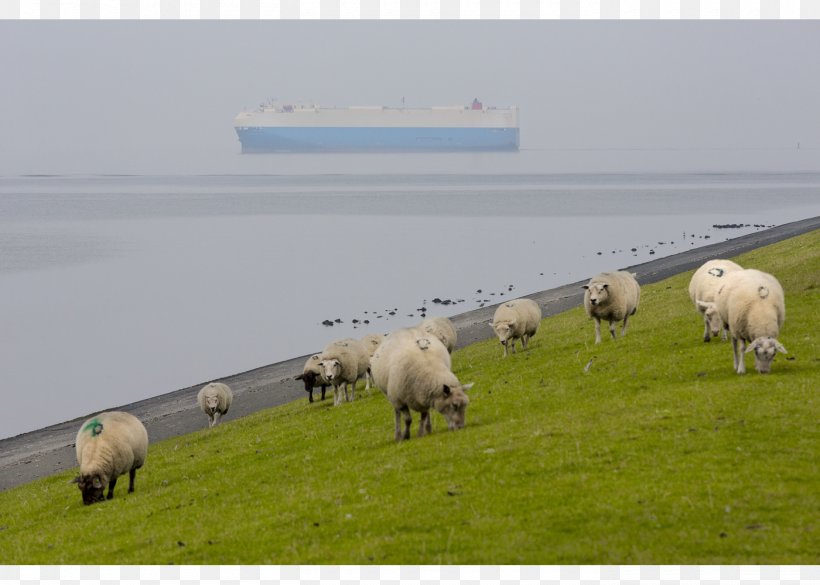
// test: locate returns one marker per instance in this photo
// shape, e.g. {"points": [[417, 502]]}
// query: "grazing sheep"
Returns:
{"points": [[109, 445], [702, 290], [371, 343], [752, 307], [442, 328], [516, 319], [215, 399], [613, 296], [312, 377], [343, 362], [412, 368]]}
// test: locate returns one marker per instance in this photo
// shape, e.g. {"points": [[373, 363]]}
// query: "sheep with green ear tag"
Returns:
{"points": [[109, 445]]}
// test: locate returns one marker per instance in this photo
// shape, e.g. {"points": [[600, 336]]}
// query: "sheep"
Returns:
{"points": [[109, 445], [702, 290], [516, 319], [412, 369], [343, 362], [752, 307], [312, 377], [215, 399], [613, 296], [371, 343], [442, 328]]}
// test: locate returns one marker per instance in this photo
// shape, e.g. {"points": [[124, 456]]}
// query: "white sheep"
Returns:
{"points": [[109, 445], [371, 343], [613, 296], [516, 319], [343, 362], [702, 290], [215, 399], [752, 307], [412, 368], [311, 376], [442, 328]]}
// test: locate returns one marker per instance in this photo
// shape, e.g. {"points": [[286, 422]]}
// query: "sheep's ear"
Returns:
{"points": [[585, 286], [703, 305], [513, 322], [96, 482], [300, 377], [779, 347], [752, 346], [605, 286], [75, 480], [466, 387], [446, 390], [491, 324]]}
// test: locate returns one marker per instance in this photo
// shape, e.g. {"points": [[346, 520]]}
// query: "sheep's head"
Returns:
{"points": [[309, 379], [330, 369], [504, 330], [92, 487], [711, 317], [597, 293], [211, 402], [452, 402], [764, 349]]}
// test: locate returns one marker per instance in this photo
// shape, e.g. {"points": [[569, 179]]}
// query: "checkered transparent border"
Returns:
{"points": [[410, 9], [413, 575]]}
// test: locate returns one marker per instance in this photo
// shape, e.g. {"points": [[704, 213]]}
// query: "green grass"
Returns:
{"points": [[660, 453]]}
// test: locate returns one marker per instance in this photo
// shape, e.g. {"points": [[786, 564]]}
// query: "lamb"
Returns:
{"points": [[312, 377], [752, 307], [109, 445], [343, 362], [702, 290], [215, 399], [613, 296], [516, 319], [412, 368], [442, 328]]}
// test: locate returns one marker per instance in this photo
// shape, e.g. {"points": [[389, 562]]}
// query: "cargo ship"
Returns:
{"points": [[284, 127]]}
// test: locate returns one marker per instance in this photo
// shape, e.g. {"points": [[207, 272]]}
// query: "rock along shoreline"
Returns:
{"points": [[43, 452]]}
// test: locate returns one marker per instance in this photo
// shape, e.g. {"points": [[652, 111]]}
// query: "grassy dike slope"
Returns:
{"points": [[660, 453]]}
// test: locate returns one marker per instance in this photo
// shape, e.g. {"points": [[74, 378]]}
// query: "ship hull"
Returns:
{"points": [[375, 139]]}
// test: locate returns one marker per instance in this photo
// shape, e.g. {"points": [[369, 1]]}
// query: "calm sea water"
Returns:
{"points": [[116, 289]]}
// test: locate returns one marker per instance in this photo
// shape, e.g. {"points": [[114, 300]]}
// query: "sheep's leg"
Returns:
{"points": [[524, 341], [737, 359], [217, 416], [741, 357], [310, 395], [323, 391], [131, 477], [424, 423], [706, 335], [612, 328], [428, 426], [512, 343], [353, 390], [111, 487], [404, 413], [597, 330], [398, 424], [337, 395], [210, 420], [623, 329]]}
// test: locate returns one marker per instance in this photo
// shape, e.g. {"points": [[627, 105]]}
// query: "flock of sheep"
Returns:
{"points": [[412, 366]]}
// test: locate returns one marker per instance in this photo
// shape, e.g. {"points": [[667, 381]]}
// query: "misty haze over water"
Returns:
{"points": [[117, 289]]}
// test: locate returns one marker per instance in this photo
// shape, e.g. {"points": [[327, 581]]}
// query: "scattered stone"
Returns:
{"points": [[366, 321], [437, 300]]}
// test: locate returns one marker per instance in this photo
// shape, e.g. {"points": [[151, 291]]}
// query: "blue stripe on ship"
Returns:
{"points": [[306, 139]]}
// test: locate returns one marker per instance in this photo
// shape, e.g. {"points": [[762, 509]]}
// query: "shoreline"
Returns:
{"points": [[43, 452]]}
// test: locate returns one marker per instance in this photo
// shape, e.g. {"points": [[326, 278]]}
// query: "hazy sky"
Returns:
{"points": [[160, 97]]}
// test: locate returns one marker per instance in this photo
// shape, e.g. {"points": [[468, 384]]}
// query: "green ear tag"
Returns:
{"points": [[95, 427]]}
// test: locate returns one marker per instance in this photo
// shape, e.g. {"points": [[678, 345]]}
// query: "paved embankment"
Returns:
{"points": [[40, 453]]}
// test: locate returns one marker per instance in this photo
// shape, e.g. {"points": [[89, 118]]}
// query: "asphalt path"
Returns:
{"points": [[40, 453]]}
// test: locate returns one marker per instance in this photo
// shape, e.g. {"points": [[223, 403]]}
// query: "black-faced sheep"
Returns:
{"points": [[343, 362], [412, 368], [752, 307], [215, 399], [311, 376], [613, 296], [516, 319], [703, 289], [109, 445]]}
